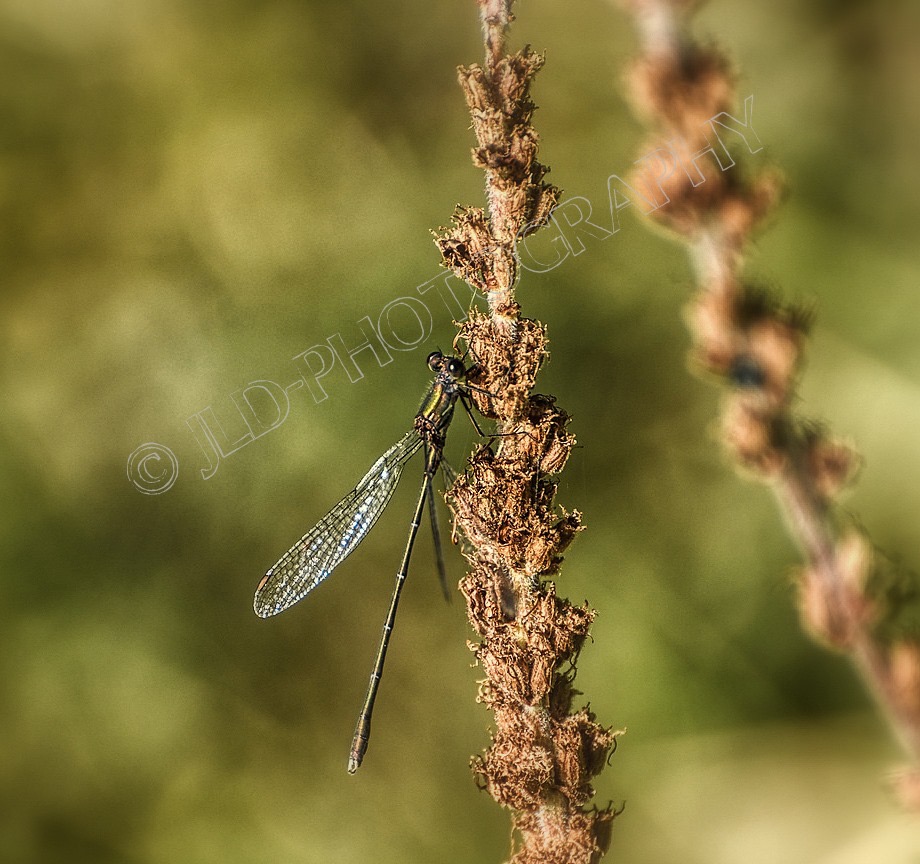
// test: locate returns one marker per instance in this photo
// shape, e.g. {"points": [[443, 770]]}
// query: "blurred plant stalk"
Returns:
{"points": [[851, 597], [543, 753]]}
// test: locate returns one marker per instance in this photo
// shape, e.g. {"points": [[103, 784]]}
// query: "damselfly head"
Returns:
{"points": [[438, 362]]}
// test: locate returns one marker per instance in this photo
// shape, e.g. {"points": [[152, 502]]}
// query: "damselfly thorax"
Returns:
{"points": [[437, 408]]}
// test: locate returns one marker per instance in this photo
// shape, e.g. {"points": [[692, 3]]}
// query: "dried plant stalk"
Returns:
{"points": [[543, 753], [851, 597]]}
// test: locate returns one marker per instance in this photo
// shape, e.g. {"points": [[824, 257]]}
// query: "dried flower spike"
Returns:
{"points": [[544, 753], [753, 345]]}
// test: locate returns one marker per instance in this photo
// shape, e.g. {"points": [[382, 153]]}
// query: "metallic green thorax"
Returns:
{"points": [[437, 408]]}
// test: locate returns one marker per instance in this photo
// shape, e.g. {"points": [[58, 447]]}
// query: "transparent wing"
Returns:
{"points": [[312, 558]]}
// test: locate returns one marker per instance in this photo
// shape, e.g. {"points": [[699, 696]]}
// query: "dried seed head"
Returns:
{"points": [[556, 452], [517, 770], [748, 205], [775, 346], [469, 250], [683, 91], [685, 205], [543, 555], [749, 434], [552, 835], [506, 364], [832, 463]]}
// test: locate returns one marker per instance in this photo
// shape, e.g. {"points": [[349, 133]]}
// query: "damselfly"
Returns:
{"points": [[312, 558]]}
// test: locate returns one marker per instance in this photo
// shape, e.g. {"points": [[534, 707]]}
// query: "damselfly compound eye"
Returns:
{"points": [[433, 358], [455, 367]]}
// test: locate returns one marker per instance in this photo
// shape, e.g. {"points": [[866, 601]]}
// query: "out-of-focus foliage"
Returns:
{"points": [[194, 193]]}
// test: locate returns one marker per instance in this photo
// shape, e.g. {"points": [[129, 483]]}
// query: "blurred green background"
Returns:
{"points": [[192, 192]]}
